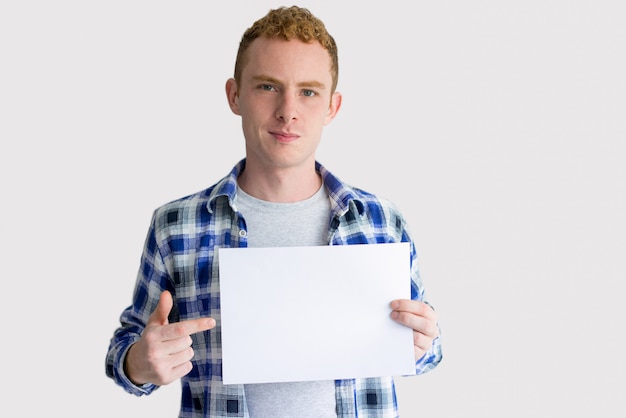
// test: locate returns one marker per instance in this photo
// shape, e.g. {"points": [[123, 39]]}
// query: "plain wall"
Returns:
{"points": [[499, 128]]}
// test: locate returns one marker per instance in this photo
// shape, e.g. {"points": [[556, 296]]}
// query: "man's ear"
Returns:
{"points": [[335, 104], [232, 96]]}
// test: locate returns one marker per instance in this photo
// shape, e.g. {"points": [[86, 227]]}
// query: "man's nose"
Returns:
{"points": [[287, 109]]}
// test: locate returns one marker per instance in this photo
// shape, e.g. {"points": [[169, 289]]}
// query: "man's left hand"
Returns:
{"points": [[421, 318]]}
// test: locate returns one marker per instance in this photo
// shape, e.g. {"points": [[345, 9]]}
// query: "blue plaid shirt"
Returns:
{"points": [[180, 256]]}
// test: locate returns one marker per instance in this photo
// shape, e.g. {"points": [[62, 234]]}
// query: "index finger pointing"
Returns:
{"points": [[188, 327]]}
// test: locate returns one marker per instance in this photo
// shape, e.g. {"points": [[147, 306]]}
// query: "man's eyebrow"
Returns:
{"points": [[314, 84], [265, 78], [272, 80]]}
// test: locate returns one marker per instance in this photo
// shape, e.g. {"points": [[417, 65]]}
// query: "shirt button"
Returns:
{"points": [[242, 233]]}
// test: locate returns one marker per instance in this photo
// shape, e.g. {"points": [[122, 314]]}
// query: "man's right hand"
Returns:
{"points": [[164, 353]]}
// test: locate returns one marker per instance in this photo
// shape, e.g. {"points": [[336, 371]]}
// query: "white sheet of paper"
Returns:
{"points": [[313, 313]]}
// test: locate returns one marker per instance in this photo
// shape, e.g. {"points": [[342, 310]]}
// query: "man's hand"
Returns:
{"points": [[164, 351], [421, 318]]}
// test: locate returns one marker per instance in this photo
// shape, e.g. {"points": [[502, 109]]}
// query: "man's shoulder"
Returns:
{"points": [[347, 197], [185, 202], [372, 200], [225, 186], [191, 208]]}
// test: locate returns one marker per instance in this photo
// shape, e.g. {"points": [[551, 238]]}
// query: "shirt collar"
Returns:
{"points": [[342, 197], [226, 187]]}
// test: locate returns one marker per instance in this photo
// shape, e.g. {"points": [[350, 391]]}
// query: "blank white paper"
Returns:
{"points": [[313, 313]]}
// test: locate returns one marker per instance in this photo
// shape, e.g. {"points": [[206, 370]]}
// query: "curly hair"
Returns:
{"points": [[289, 23]]}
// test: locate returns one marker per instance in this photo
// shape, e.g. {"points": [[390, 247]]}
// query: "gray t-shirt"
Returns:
{"points": [[269, 224]]}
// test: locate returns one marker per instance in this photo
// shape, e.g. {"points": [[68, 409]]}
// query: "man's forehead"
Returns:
{"points": [[278, 58]]}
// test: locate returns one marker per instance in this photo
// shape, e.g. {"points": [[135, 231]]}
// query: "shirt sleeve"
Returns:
{"points": [[151, 280], [434, 355]]}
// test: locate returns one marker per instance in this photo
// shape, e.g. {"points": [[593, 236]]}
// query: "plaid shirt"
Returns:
{"points": [[180, 256]]}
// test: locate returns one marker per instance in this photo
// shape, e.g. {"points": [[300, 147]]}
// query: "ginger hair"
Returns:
{"points": [[289, 23]]}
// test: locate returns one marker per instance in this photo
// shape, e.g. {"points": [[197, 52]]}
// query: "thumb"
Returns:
{"points": [[162, 310]]}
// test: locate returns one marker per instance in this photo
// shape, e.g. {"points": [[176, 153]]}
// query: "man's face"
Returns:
{"points": [[284, 100]]}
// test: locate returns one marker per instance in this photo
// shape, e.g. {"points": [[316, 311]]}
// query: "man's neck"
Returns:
{"points": [[280, 185]]}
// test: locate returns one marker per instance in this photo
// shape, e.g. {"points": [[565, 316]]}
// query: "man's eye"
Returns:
{"points": [[267, 87], [308, 93]]}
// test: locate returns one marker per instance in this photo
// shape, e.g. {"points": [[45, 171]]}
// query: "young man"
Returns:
{"points": [[278, 195]]}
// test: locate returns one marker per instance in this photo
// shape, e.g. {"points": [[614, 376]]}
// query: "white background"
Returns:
{"points": [[499, 127]]}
